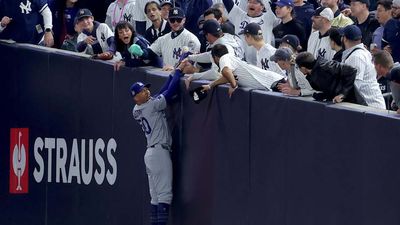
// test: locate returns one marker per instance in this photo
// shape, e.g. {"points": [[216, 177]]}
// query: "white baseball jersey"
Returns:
{"points": [[132, 11], [170, 48], [267, 22], [248, 75], [320, 46], [103, 33], [151, 116], [234, 48], [263, 56], [365, 81]]}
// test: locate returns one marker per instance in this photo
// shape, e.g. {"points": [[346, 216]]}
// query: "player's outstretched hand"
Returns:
{"points": [[206, 87], [135, 50]]}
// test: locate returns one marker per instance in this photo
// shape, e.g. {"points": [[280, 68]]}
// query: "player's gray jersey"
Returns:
{"points": [[320, 46], [267, 22], [170, 48], [248, 75], [103, 32], [151, 116], [365, 81], [263, 56]]}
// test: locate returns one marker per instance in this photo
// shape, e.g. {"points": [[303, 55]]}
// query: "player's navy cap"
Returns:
{"points": [[138, 87], [252, 29], [164, 2], [292, 40], [198, 94], [352, 32], [176, 13], [394, 75], [211, 27], [362, 1], [325, 12], [284, 54], [83, 13], [282, 3]]}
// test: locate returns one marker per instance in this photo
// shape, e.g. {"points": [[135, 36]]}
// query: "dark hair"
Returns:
{"points": [[305, 59], [384, 59], [219, 50], [387, 4], [335, 36], [217, 13], [149, 3], [120, 46]]}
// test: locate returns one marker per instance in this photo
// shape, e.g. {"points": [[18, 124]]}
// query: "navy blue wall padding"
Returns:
{"points": [[256, 158]]}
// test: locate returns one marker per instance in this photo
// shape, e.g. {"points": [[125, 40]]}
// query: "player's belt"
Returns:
{"points": [[164, 146]]}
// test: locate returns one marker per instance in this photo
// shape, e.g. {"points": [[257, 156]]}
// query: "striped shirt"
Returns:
{"points": [[365, 82], [247, 75], [263, 56]]}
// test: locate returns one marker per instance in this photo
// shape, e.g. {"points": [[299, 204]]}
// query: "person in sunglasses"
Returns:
{"points": [[172, 45]]}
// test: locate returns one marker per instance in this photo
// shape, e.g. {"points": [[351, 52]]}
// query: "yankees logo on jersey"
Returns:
{"points": [[127, 18], [25, 8], [103, 37], [321, 52], [176, 53], [264, 64]]}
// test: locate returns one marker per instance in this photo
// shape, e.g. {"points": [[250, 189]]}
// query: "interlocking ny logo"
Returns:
{"points": [[19, 145], [25, 8]]}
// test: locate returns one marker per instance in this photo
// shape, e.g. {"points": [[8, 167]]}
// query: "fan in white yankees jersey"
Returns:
{"points": [[214, 35], [258, 11], [357, 56], [237, 72], [131, 11], [319, 42], [169, 46]]}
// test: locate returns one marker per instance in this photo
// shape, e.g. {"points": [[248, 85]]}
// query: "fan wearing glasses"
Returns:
{"points": [[170, 46]]}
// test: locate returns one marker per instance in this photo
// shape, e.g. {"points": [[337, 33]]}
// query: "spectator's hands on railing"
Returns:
{"points": [[135, 50], [232, 89], [286, 89], [48, 39], [104, 56], [167, 68], [117, 65], [338, 99], [5, 21]]}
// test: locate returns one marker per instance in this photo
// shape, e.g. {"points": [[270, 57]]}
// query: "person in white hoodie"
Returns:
{"points": [[131, 11]]}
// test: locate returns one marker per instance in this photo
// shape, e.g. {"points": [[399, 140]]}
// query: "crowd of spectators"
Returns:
{"points": [[332, 50]]}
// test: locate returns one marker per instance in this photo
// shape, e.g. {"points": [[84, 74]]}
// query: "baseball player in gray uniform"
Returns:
{"points": [[149, 113]]}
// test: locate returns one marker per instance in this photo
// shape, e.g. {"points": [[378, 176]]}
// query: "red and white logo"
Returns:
{"points": [[19, 149]]}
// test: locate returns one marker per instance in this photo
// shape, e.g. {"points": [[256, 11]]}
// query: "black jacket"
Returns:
{"points": [[333, 78]]}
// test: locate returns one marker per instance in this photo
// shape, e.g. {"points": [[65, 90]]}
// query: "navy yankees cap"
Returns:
{"points": [[252, 29], [176, 13], [138, 87], [83, 13], [164, 2], [394, 75], [352, 32], [284, 54], [211, 27], [282, 3], [291, 40]]}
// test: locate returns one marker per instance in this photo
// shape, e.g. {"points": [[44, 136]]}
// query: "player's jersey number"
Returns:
{"points": [[145, 125]]}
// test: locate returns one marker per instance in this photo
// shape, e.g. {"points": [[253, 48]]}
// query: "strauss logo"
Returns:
{"points": [[19, 160]]}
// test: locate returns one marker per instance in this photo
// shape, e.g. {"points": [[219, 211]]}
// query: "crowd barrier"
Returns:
{"points": [[255, 158]]}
